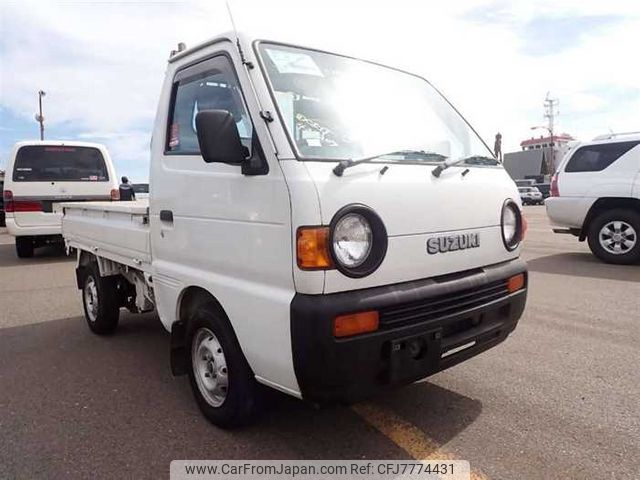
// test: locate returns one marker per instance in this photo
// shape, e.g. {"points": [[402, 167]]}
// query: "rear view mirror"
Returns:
{"points": [[218, 137]]}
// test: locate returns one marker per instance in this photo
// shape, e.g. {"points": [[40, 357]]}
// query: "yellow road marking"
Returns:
{"points": [[407, 436]]}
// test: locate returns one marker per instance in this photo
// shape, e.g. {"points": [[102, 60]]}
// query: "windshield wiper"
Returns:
{"points": [[413, 154], [480, 160], [472, 160]]}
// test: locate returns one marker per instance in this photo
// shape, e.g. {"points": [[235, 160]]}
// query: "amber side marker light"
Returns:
{"points": [[355, 323], [515, 283], [312, 247]]}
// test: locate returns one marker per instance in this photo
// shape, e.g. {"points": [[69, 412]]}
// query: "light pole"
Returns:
{"points": [[39, 116], [553, 151]]}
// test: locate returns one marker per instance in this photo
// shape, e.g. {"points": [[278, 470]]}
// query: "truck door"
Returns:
{"points": [[214, 227]]}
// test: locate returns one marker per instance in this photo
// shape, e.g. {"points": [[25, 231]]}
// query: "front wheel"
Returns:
{"points": [[222, 381], [100, 301], [613, 237]]}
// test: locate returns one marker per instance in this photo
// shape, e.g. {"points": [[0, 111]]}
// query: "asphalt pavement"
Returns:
{"points": [[559, 399]]}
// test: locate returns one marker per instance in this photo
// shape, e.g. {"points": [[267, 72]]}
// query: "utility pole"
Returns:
{"points": [[39, 116], [550, 112]]}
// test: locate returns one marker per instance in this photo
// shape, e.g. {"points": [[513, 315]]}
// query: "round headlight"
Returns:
{"points": [[352, 239], [511, 225], [358, 241]]}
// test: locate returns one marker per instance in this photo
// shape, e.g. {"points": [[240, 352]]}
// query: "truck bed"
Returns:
{"points": [[118, 231]]}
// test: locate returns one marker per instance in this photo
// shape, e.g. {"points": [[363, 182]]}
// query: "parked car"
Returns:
{"points": [[293, 238], [141, 190], [530, 196], [595, 195], [526, 182], [545, 189], [43, 173], [140, 187]]}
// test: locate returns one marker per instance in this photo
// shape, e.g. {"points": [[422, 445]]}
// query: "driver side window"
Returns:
{"points": [[211, 85]]}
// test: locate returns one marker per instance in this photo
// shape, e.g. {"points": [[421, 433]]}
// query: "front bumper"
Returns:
{"points": [[568, 212], [439, 314]]}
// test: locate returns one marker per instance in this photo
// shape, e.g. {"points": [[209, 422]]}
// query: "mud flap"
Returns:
{"points": [[179, 351]]}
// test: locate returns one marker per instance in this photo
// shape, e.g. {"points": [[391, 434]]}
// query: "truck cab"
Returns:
{"points": [[320, 224]]}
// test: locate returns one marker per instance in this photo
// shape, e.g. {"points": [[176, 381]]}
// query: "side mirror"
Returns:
{"points": [[218, 137]]}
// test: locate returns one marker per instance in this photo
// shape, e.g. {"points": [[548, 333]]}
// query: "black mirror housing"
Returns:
{"points": [[218, 137]]}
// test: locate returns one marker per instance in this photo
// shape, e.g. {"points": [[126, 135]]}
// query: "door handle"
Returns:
{"points": [[166, 216]]}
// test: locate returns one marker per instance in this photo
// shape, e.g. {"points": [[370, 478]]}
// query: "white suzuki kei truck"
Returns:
{"points": [[319, 224], [41, 174]]}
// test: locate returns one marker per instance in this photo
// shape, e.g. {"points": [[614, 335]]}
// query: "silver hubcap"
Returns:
{"points": [[618, 237], [91, 298], [209, 367]]}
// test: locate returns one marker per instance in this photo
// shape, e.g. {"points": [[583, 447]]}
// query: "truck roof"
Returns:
{"points": [[279, 37], [229, 36]]}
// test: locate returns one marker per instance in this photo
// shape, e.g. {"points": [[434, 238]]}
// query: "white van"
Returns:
{"points": [[595, 195], [43, 173], [319, 224]]}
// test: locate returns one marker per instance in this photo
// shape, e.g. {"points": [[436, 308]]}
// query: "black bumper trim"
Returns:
{"points": [[400, 352]]}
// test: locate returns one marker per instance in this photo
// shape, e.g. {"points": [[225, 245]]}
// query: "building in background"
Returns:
{"points": [[559, 141], [557, 146], [539, 157], [528, 164]]}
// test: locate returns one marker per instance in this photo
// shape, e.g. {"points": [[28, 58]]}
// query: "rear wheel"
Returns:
{"points": [[24, 247], [614, 236], [100, 300], [222, 381]]}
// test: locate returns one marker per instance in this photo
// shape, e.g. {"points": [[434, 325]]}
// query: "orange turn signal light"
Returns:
{"points": [[312, 247], [515, 283], [355, 323]]}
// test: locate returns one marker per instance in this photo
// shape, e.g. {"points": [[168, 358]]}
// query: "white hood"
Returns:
{"points": [[414, 206]]}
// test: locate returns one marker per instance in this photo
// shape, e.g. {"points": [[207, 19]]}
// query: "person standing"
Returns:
{"points": [[126, 190], [497, 147]]}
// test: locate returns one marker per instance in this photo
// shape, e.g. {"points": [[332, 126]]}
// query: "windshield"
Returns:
{"points": [[339, 108], [59, 163]]}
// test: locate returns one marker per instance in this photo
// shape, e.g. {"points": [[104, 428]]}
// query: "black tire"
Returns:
{"points": [[24, 247], [629, 243], [241, 402], [102, 304]]}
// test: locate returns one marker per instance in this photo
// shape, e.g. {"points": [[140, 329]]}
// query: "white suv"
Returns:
{"points": [[595, 195]]}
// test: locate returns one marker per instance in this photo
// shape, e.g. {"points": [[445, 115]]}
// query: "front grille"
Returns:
{"points": [[442, 305]]}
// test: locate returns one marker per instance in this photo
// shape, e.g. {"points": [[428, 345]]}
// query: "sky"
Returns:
{"points": [[101, 63]]}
